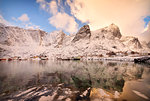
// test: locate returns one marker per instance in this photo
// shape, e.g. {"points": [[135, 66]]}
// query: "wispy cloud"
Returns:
{"points": [[53, 7], [13, 18], [24, 21], [31, 26], [24, 18], [59, 19], [145, 36], [43, 4], [64, 21], [3, 21]]}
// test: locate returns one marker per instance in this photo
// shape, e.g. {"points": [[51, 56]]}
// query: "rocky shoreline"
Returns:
{"points": [[62, 93], [136, 59]]}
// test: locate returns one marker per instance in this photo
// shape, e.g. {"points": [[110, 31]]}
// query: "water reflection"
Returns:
{"points": [[77, 75]]}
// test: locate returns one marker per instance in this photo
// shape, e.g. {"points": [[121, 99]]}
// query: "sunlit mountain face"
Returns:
{"points": [[74, 50], [106, 42]]}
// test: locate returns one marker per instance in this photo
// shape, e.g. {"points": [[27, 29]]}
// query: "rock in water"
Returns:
{"points": [[83, 33], [142, 60]]}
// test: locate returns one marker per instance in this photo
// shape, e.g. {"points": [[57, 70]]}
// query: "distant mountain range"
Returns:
{"points": [[15, 41]]}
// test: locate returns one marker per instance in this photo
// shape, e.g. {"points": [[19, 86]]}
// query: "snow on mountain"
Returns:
{"points": [[131, 42], [148, 44], [112, 31], [108, 38], [15, 41], [83, 33], [13, 36], [2, 25], [55, 38]]}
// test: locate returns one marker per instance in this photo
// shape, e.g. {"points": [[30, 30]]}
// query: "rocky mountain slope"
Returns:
{"points": [[148, 44], [105, 42]]}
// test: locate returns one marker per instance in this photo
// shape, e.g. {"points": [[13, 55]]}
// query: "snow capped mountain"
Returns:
{"points": [[131, 42], [13, 36], [15, 41], [108, 38], [112, 31], [83, 33]]}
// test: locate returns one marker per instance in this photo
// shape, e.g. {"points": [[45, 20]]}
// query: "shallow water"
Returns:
{"points": [[132, 81]]}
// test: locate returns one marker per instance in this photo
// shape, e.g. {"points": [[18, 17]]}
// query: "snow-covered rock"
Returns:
{"points": [[83, 33], [15, 41], [131, 42], [112, 30], [148, 44], [55, 38], [13, 36]]}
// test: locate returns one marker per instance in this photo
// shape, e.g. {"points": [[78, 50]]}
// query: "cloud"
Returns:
{"points": [[31, 26], [43, 4], [15, 19], [50, 7], [24, 18], [127, 14], [53, 7], [3, 21], [38, 1], [25, 22], [145, 36], [64, 21], [59, 19], [27, 25]]}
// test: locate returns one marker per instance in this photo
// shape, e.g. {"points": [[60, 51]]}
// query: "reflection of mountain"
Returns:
{"points": [[107, 75], [139, 88], [15, 41]]}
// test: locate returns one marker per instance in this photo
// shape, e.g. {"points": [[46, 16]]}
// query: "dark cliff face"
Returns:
{"points": [[83, 33], [60, 38], [115, 30], [136, 43]]}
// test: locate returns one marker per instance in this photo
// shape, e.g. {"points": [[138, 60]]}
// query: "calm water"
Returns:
{"points": [[131, 80]]}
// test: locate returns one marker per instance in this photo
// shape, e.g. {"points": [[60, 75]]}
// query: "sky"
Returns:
{"points": [[131, 16]]}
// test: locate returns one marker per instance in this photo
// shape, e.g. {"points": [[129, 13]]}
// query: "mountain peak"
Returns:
{"points": [[2, 25], [148, 44], [131, 41], [58, 44], [112, 31], [83, 33], [113, 26]]}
